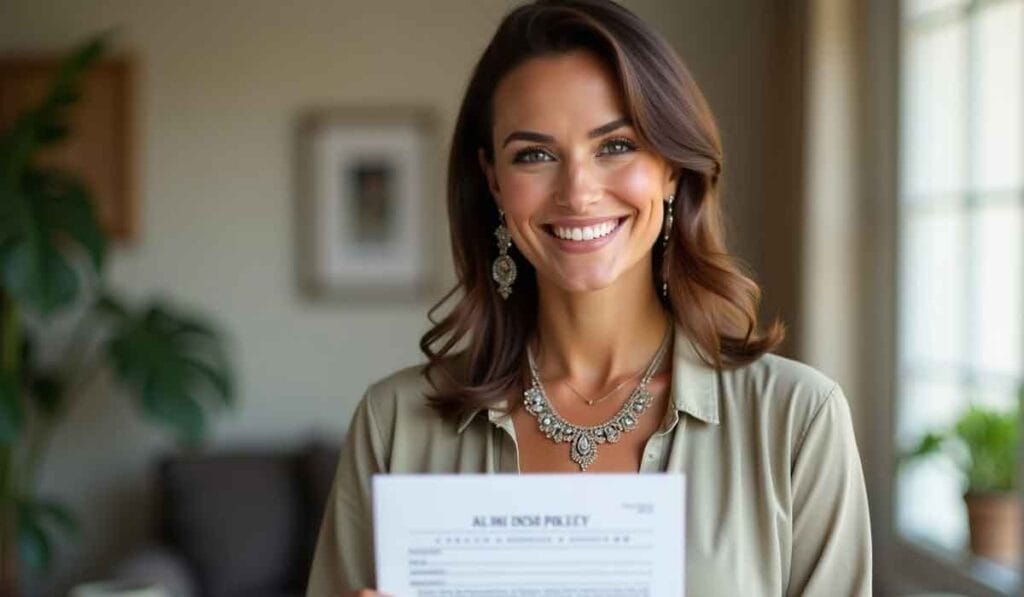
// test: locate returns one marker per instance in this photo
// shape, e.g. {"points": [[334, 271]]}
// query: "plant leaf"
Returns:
{"points": [[219, 379], [108, 304], [166, 400], [37, 274], [990, 438], [173, 362], [66, 207], [33, 543], [12, 414], [51, 132], [13, 214], [57, 515]]}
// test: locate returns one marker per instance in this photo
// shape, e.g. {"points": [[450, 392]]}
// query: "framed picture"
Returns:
{"points": [[100, 148], [366, 191]]}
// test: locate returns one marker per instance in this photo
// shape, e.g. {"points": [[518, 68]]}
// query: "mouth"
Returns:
{"points": [[584, 235]]}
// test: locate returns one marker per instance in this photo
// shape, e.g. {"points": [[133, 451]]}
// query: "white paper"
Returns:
{"points": [[551, 535]]}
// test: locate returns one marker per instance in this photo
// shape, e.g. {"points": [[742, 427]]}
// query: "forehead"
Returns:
{"points": [[561, 91]]}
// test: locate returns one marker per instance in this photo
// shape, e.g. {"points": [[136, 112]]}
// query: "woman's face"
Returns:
{"points": [[583, 197]]}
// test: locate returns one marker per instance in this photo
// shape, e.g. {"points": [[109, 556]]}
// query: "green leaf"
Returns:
{"points": [[65, 96], [33, 544], [66, 207], [15, 216], [219, 380], [52, 132], [991, 441], [165, 398], [174, 363], [38, 275], [38, 522], [108, 304], [55, 515], [12, 414], [65, 84], [929, 444]]}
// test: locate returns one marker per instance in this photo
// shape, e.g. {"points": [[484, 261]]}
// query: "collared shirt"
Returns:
{"points": [[775, 497]]}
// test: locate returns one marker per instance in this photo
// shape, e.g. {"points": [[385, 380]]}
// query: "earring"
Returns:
{"points": [[504, 268], [666, 231]]}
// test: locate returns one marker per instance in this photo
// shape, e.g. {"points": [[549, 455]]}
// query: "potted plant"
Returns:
{"points": [[52, 252], [983, 443]]}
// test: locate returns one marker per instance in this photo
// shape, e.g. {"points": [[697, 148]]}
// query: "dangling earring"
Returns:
{"points": [[666, 231], [504, 268]]}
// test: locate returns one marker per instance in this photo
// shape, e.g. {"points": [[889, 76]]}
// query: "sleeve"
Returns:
{"points": [[831, 527], [344, 559]]}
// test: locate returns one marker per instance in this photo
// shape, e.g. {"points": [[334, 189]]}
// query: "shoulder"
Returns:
{"points": [[399, 399], [781, 394], [411, 435], [386, 395], [772, 374], [401, 382]]}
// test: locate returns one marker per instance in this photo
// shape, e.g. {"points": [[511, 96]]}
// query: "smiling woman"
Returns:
{"points": [[599, 323], [583, 204]]}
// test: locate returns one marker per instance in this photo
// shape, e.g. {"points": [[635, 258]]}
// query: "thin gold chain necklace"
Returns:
{"points": [[584, 439], [593, 401]]}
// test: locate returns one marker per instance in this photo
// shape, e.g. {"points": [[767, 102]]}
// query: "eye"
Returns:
{"points": [[619, 145], [531, 155]]}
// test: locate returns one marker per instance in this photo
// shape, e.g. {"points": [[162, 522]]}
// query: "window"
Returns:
{"points": [[961, 244]]}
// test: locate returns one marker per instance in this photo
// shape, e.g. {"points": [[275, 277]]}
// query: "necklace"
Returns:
{"points": [[593, 401], [583, 440]]}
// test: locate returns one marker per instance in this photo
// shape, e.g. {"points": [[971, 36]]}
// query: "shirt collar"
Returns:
{"points": [[694, 386]]}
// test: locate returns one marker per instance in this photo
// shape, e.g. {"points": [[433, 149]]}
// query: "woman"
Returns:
{"points": [[587, 239]]}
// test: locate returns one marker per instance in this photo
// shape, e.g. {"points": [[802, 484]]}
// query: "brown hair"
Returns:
{"points": [[708, 294]]}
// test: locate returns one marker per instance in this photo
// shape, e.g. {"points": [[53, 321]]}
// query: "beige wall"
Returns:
{"points": [[219, 84]]}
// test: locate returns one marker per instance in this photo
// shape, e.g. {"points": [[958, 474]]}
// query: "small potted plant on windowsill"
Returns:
{"points": [[983, 444]]}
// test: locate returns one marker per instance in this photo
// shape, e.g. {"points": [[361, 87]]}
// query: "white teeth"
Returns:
{"points": [[585, 233]]}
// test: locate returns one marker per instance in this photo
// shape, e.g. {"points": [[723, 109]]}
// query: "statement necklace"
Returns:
{"points": [[583, 440]]}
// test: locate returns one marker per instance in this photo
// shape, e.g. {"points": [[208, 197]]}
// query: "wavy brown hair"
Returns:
{"points": [[708, 294]]}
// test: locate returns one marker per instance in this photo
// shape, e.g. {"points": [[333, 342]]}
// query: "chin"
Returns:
{"points": [[589, 281]]}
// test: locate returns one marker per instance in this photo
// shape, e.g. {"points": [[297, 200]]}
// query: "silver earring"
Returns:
{"points": [[666, 231], [504, 268]]}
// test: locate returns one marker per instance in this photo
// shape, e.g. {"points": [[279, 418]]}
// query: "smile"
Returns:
{"points": [[584, 235]]}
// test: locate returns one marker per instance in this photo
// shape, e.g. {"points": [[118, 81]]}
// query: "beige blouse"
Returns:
{"points": [[776, 503]]}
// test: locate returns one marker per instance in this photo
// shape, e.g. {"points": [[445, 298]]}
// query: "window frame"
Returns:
{"points": [[901, 564]]}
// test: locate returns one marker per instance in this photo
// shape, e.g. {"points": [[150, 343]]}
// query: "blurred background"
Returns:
{"points": [[268, 186]]}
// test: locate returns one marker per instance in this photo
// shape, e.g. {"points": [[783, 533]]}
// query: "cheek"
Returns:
{"points": [[522, 194], [637, 184]]}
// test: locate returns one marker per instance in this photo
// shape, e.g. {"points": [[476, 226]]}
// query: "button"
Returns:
{"points": [[650, 456]]}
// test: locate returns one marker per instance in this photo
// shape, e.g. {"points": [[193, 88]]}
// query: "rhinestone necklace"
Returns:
{"points": [[583, 440]]}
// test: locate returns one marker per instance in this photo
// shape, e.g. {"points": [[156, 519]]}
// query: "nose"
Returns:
{"points": [[579, 186]]}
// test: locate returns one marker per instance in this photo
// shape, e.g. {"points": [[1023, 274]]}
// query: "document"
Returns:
{"points": [[537, 535]]}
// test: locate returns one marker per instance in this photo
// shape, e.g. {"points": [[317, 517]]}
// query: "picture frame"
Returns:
{"points": [[366, 197], [101, 147]]}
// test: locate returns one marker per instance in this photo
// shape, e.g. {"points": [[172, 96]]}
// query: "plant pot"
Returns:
{"points": [[994, 521]]}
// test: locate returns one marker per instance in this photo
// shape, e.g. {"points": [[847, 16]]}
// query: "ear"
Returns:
{"points": [[671, 180], [488, 170]]}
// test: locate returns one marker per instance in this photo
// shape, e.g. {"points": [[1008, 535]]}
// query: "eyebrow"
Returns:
{"points": [[542, 138]]}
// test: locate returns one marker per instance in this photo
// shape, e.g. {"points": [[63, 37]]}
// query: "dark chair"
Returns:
{"points": [[242, 523]]}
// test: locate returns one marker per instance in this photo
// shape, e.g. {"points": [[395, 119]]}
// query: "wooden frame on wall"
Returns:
{"points": [[99, 148], [365, 183]]}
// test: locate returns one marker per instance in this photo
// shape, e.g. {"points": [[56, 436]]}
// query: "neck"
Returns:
{"points": [[597, 336]]}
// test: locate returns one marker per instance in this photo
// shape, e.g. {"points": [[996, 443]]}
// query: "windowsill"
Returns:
{"points": [[933, 564]]}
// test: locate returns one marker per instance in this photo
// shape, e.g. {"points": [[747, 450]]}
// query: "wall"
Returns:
{"points": [[219, 85]]}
